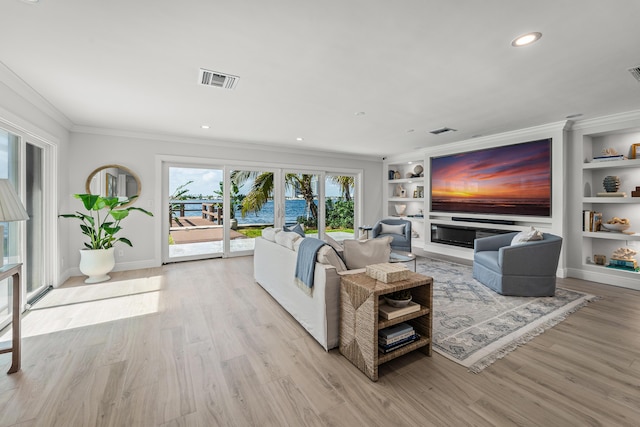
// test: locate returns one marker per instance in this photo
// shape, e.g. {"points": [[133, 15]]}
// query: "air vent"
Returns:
{"points": [[635, 72], [216, 79], [441, 130]]}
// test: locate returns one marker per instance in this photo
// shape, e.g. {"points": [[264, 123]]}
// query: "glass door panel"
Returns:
{"points": [[251, 206], [9, 146], [301, 201], [35, 259], [196, 213], [339, 206]]}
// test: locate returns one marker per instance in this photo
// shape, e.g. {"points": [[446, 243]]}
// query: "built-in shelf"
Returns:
{"points": [[406, 199], [406, 181], [611, 235], [608, 200], [614, 164]]}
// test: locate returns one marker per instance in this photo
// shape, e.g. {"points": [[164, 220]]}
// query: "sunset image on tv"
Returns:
{"points": [[508, 180]]}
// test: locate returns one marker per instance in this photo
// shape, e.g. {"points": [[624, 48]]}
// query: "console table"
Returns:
{"points": [[360, 320], [14, 270]]}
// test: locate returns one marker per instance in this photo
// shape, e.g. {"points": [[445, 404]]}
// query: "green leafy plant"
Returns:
{"points": [[103, 219]]}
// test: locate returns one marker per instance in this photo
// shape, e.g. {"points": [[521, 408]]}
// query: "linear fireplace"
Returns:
{"points": [[462, 236]]}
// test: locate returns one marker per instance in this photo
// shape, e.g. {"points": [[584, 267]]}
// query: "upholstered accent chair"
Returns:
{"points": [[525, 269], [399, 229]]}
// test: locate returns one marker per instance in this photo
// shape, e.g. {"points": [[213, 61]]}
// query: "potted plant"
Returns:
{"points": [[101, 224]]}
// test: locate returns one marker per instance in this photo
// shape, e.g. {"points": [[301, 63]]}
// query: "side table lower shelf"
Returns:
{"points": [[360, 320]]}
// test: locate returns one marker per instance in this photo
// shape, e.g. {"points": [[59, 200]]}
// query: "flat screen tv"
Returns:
{"points": [[510, 180]]}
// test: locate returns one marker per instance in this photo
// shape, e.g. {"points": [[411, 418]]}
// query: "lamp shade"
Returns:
{"points": [[11, 208]]}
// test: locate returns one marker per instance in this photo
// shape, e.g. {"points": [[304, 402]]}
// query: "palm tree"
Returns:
{"points": [[346, 183], [262, 189]]}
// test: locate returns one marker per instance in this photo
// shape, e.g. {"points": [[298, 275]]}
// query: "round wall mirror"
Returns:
{"points": [[113, 181]]}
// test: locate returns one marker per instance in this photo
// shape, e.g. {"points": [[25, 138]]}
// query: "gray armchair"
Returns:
{"points": [[401, 235], [527, 270]]}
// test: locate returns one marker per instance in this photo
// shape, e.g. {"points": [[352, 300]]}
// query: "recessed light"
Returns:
{"points": [[300, 139], [526, 39], [30, 1], [410, 130], [205, 126], [360, 113]]}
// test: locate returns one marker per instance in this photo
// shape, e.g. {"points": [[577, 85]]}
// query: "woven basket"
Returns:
{"points": [[387, 272]]}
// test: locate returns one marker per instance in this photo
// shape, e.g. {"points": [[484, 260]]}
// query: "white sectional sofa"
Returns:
{"points": [[274, 262]]}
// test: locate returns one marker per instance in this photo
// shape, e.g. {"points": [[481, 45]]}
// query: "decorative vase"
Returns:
{"points": [[396, 175], [392, 174], [611, 184], [400, 209], [96, 263]]}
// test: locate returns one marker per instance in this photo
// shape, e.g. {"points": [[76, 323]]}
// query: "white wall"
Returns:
{"points": [[92, 148]]}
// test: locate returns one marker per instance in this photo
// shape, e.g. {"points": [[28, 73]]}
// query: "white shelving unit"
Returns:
{"points": [[413, 198], [603, 242]]}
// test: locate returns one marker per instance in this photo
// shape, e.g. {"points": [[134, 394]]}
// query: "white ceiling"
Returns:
{"points": [[307, 67]]}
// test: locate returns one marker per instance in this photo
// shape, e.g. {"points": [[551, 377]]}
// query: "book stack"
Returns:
{"points": [[624, 264], [608, 158], [394, 337], [591, 221], [388, 312]]}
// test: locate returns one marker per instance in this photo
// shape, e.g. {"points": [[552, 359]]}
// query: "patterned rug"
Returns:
{"points": [[474, 326]]}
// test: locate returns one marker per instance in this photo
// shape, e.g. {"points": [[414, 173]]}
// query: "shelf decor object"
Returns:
{"points": [[611, 184]]}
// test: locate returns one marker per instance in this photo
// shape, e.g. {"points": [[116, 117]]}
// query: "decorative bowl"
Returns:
{"points": [[616, 227], [397, 302], [400, 209]]}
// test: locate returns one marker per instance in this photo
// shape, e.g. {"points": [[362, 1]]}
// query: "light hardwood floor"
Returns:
{"points": [[201, 344]]}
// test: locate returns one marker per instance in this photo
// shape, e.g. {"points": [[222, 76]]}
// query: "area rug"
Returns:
{"points": [[474, 326]]}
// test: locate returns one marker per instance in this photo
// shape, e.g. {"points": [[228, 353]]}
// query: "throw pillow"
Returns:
{"points": [[334, 244], [287, 238], [327, 255], [296, 229], [391, 229], [269, 233], [526, 236], [360, 253]]}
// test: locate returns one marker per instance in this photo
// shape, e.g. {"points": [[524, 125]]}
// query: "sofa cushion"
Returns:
{"points": [[327, 255], [360, 253], [391, 229], [287, 238], [335, 245], [296, 229], [526, 236], [269, 233]]}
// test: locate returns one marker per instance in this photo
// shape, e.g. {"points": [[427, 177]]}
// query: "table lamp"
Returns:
{"points": [[11, 209]]}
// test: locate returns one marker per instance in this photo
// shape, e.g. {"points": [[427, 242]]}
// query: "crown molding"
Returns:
{"points": [[608, 123], [19, 86], [244, 145]]}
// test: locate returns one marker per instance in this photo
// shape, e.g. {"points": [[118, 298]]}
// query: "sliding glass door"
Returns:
{"points": [[23, 163], [196, 212], [339, 217], [219, 211]]}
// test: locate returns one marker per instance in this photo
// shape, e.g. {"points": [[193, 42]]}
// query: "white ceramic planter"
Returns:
{"points": [[96, 263]]}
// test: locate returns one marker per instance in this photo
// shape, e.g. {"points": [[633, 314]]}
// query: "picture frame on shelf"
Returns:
{"points": [[635, 151]]}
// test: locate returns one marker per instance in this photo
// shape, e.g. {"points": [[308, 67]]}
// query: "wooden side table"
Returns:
{"points": [[15, 271], [360, 321]]}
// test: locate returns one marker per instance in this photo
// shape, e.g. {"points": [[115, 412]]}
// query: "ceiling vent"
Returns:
{"points": [[216, 79], [635, 72], [441, 130]]}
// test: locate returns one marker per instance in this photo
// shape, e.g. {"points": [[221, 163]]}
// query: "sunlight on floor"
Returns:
{"points": [[84, 305]]}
